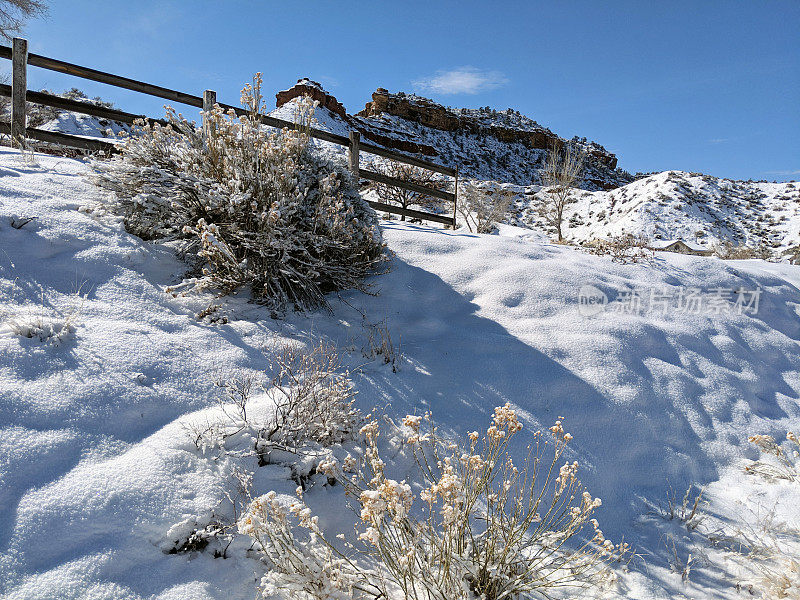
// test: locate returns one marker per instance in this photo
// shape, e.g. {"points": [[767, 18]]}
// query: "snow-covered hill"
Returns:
{"points": [[96, 462], [688, 206]]}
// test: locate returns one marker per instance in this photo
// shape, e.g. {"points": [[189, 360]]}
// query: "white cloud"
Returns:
{"points": [[788, 172], [461, 80]]}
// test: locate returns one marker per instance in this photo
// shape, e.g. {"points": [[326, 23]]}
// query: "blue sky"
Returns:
{"points": [[711, 86]]}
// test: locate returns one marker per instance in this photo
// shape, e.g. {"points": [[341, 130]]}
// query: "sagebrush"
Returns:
{"points": [[259, 206], [484, 528]]}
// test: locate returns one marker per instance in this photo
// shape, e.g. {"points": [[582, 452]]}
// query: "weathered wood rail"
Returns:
{"points": [[18, 131]]}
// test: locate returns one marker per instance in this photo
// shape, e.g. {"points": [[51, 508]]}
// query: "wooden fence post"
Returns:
{"points": [[19, 88], [355, 138], [209, 100], [455, 201]]}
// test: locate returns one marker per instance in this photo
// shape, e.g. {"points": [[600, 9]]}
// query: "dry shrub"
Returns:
{"points": [[482, 209], [259, 207], [485, 528], [42, 328], [688, 510], [43, 322], [780, 464], [313, 398], [793, 254], [624, 248], [730, 251], [380, 344], [780, 571], [304, 567], [410, 174]]}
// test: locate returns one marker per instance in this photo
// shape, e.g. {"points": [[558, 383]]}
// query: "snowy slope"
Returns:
{"points": [[96, 466], [692, 207]]}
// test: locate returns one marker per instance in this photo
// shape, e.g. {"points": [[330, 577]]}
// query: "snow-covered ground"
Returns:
{"points": [[96, 464]]}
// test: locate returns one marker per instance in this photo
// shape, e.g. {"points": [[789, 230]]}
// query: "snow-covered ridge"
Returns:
{"points": [[483, 143], [674, 205]]}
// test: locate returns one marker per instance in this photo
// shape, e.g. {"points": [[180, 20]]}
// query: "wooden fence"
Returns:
{"points": [[20, 94]]}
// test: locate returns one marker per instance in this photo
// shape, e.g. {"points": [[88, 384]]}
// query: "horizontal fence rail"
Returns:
{"points": [[45, 62], [18, 130], [84, 108], [406, 185], [409, 212], [409, 160], [56, 137]]}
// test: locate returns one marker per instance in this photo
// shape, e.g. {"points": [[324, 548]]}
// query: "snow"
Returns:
{"points": [[323, 118], [698, 209], [84, 125], [97, 472]]}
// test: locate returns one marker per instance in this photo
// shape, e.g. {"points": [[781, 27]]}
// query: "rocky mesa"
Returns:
{"points": [[482, 143]]}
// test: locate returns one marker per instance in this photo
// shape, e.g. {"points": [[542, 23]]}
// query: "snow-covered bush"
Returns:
{"points": [[793, 254], [311, 407], [303, 566], [191, 536], [262, 209], [43, 323], [780, 464], [485, 528], [730, 251], [52, 330]]}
